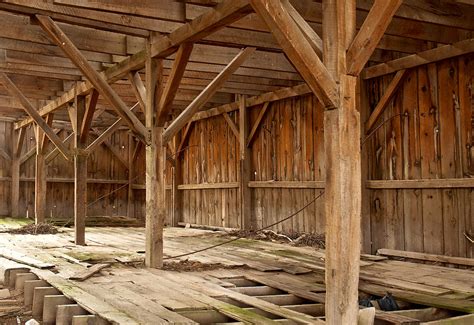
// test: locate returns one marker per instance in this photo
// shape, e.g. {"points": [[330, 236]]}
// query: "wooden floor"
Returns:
{"points": [[269, 281]]}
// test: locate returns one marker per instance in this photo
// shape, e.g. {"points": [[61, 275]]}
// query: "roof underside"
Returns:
{"points": [[108, 32]]}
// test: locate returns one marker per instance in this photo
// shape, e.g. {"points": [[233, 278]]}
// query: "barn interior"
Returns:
{"points": [[237, 161]]}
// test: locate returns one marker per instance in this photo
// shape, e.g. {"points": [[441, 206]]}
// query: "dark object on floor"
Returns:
{"points": [[388, 303]]}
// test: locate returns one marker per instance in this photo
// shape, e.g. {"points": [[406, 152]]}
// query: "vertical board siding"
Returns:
{"points": [[287, 147], [102, 164], [430, 139], [429, 134]]}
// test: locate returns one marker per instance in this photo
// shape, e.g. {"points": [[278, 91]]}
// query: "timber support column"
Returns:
{"points": [[248, 221], [80, 196], [40, 178], [176, 194], [343, 169], [155, 152], [80, 173], [15, 186], [18, 137], [342, 206]]}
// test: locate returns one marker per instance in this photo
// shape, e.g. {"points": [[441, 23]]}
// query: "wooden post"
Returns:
{"points": [[248, 222], [343, 169], [18, 137], [363, 104], [40, 179], [80, 174], [177, 197], [131, 176], [155, 160]]}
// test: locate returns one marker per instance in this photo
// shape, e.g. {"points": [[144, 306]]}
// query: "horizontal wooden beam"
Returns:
{"points": [[208, 186], [421, 183], [421, 58], [426, 257], [287, 184], [71, 180], [271, 96]]}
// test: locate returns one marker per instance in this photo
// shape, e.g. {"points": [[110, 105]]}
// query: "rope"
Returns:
{"points": [[239, 237], [110, 193], [378, 127]]}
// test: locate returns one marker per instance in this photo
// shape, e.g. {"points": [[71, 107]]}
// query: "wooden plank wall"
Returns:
{"points": [[431, 138], [288, 147], [5, 170], [102, 165], [211, 156]]}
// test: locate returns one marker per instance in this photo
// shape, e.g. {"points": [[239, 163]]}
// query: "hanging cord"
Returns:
{"points": [[183, 149], [379, 126], [239, 237], [111, 192]]}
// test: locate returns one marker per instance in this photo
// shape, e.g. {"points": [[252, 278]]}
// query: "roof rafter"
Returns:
{"points": [[206, 94], [93, 76], [223, 14]]}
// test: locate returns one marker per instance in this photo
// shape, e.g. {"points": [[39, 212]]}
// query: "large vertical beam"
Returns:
{"points": [[343, 169], [18, 137], [131, 176], [40, 178], [177, 195], [80, 173], [245, 165], [155, 159]]}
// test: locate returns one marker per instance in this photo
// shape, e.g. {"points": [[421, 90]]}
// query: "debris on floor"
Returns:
{"points": [[35, 229], [194, 266], [292, 238], [100, 221]]}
